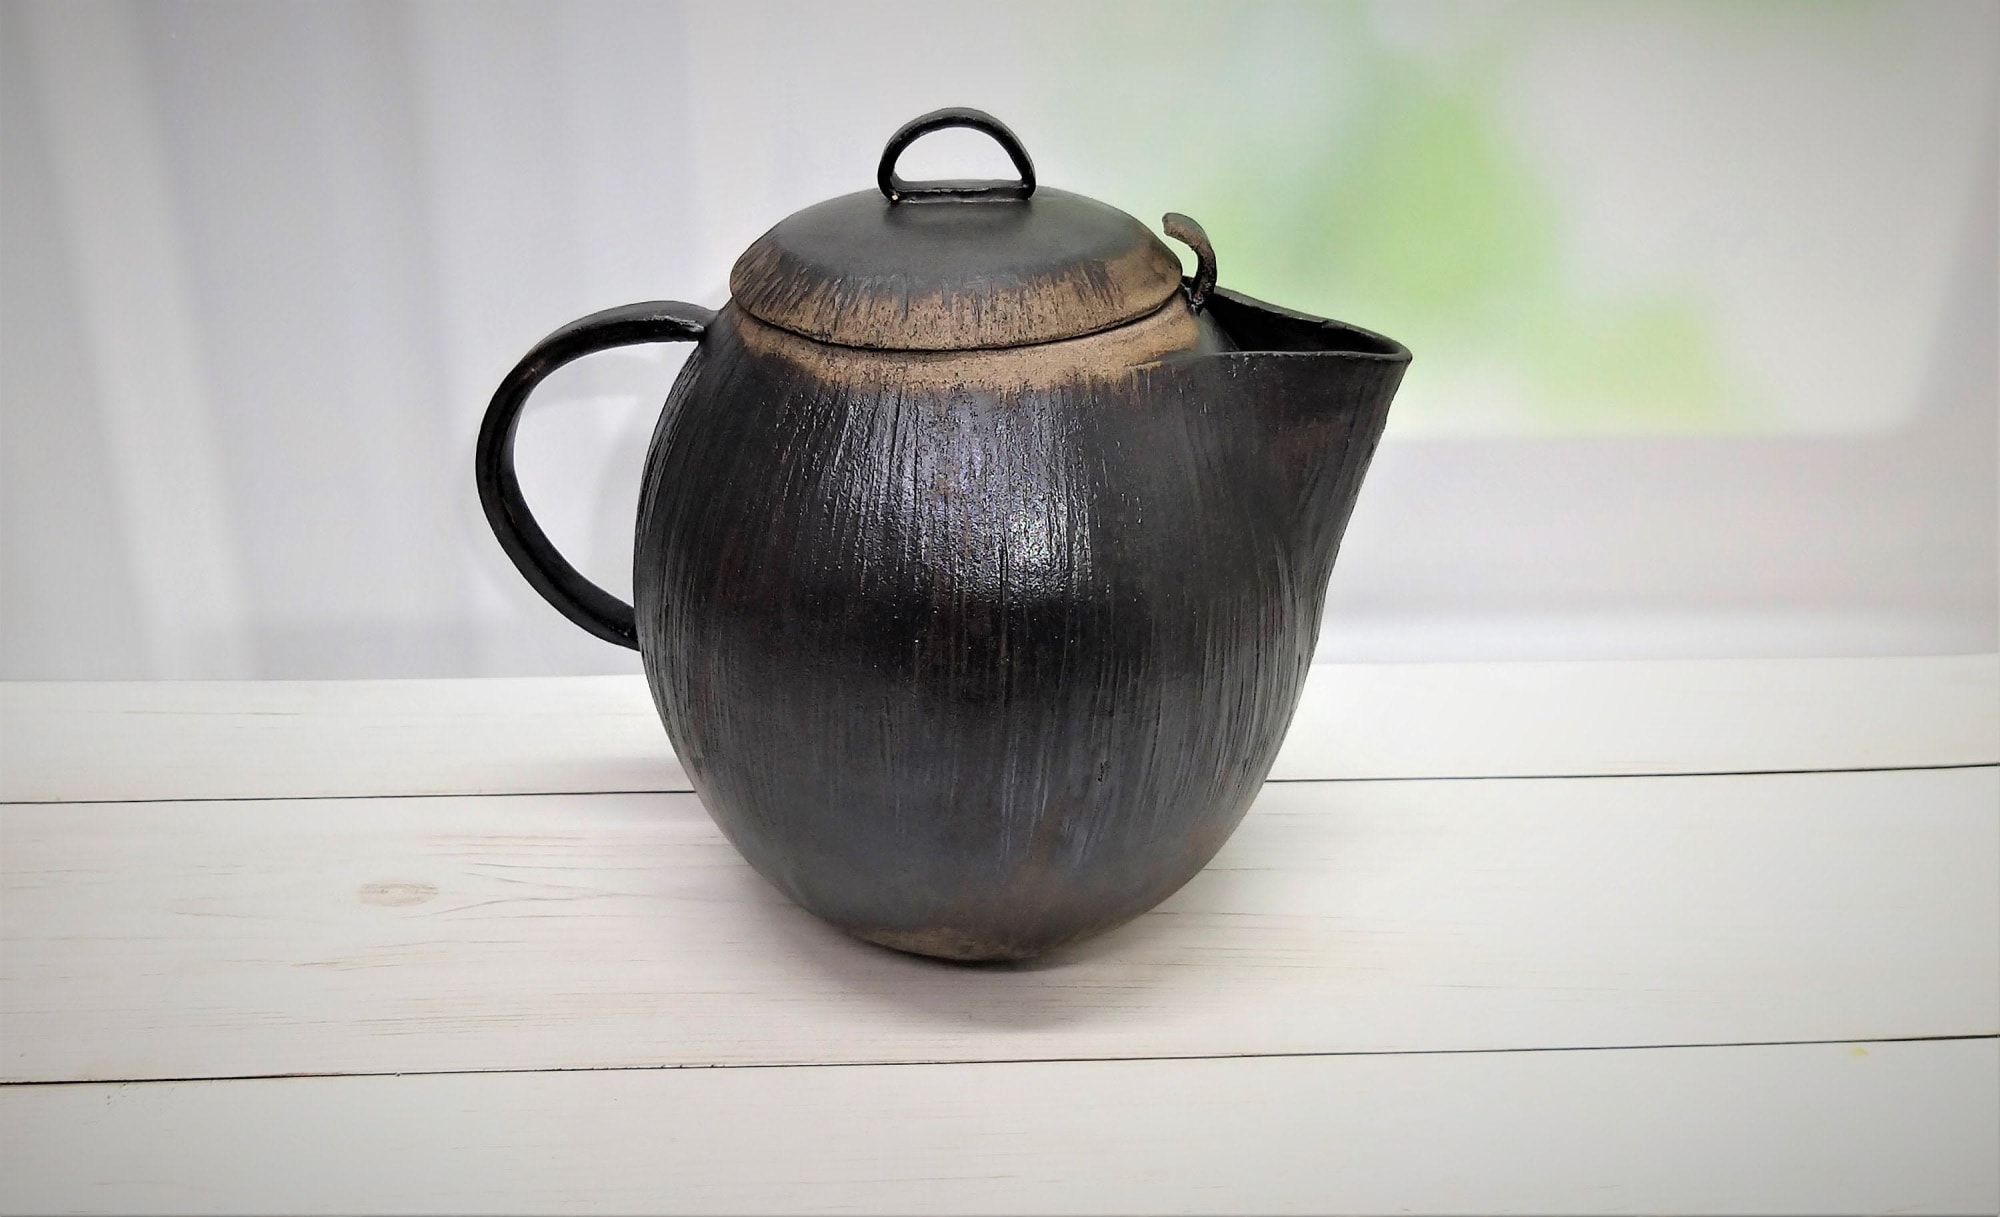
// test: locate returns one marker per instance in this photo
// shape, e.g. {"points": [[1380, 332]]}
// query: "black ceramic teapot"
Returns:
{"points": [[980, 555]]}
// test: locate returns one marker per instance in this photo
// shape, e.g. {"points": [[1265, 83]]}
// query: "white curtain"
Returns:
{"points": [[261, 265]]}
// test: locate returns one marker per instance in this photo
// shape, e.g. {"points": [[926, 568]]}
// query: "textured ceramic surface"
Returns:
{"points": [[976, 652]]}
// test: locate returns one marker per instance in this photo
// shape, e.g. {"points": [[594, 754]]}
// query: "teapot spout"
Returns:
{"points": [[1256, 328], [1311, 397]]}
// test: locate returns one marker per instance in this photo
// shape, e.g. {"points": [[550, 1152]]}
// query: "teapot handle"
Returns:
{"points": [[576, 597]]}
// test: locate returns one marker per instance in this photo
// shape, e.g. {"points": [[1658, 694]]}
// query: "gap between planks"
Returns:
{"points": [[507, 1071], [193, 741], [1440, 777]]}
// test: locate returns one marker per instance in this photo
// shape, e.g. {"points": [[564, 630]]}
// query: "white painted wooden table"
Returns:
{"points": [[1663, 937]]}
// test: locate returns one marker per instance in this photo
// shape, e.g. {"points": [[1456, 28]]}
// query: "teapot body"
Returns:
{"points": [[972, 653]]}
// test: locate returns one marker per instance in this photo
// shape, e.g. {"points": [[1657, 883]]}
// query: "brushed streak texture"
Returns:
{"points": [[979, 665], [863, 272]]}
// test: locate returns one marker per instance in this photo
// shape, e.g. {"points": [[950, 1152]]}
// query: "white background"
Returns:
{"points": [[262, 266]]}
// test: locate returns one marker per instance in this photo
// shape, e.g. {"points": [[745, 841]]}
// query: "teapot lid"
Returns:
{"points": [[954, 265]]}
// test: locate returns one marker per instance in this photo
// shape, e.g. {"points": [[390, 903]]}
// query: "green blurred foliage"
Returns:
{"points": [[1345, 172]]}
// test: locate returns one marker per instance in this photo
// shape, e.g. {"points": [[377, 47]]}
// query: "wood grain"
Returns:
{"points": [[320, 935], [1908, 1127], [105, 741], [77, 741], [412, 935]]}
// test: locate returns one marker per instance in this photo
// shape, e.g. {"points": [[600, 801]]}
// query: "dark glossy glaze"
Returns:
{"points": [[975, 654]]}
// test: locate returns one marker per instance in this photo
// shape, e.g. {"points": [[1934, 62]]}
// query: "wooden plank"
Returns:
{"points": [[411, 935], [1908, 1127], [1623, 718], [300, 739], [75, 742]]}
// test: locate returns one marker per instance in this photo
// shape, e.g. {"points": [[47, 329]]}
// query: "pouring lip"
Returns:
{"points": [[1303, 333]]}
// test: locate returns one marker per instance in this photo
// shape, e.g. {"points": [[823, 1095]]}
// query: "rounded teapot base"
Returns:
{"points": [[956, 945]]}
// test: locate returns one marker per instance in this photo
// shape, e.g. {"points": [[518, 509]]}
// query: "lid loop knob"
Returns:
{"points": [[896, 190]]}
